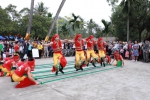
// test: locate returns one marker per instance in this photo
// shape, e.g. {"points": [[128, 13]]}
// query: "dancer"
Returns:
{"points": [[90, 50], [7, 67], [79, 57], [1, 73], [23, 75], [119, 59], [101, 52], [21, 62], [108, 59], [58, 58]]}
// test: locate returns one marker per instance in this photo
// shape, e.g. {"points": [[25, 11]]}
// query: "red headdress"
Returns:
{"points": [[100, 39], [77, 36], [16, 57], [55, 36], [90, 37], [116, 52]]}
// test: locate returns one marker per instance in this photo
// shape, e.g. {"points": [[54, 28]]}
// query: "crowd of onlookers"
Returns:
{"points": [[129, 50]]}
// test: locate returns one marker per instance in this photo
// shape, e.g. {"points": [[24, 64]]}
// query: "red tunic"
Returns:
{"points": [[16, 48], [20, 63], [20, 71], [57, 47], [118, 57], [90, 44], [8, 64], [100, 45], [79, 45], [109, 59], [7, 58]]}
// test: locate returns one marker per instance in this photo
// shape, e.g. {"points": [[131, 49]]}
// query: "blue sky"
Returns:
{"points": [[87, 9]]}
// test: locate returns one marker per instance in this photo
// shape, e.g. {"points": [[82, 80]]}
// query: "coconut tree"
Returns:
{"points": [[127, 5], [91, 27], [41, 9], [55, 19], [77, 22], [30, 21], [106, 29]]}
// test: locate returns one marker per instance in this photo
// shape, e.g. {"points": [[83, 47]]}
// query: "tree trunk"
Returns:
{"points": [[128, 29], [140, 33], [106, 37], [54, 21], [30, 21]]}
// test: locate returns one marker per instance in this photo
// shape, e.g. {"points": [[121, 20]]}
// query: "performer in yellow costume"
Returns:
{"points": [[101, 52], [90, 50], [79, 57]]}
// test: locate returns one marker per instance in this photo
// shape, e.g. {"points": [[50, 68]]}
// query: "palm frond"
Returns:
{"points": [[104, 22], [71, 21]]}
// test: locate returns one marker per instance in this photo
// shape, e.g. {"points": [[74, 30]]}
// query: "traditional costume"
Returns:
{"points": [[21, 62], [16, 48], [79, 57], [118, 58], [23, 75], [90, 50], [58, 58], [1, 73], [101, 51], [8, 68]]}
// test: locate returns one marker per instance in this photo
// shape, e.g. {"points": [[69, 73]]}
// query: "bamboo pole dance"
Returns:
{"points": [[25, 73]]}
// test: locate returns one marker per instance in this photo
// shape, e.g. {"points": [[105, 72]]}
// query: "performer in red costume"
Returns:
{"points": [[16, 48], [7, 67], [23, 75], [8, 57], [101, 52], [1, 73], [107, 59], [79, 57], [119, 59], [21, 62], [58, 58], [90, 50]]}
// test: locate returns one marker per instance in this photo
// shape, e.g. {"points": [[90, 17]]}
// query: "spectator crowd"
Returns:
{"points": [[129, 50]]}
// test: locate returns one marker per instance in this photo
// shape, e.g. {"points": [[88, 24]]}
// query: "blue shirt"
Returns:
{"points": [[30, 47]]}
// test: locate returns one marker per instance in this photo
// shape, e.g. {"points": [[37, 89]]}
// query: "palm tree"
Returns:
{"points": [[127, 4], [55, 19], [106, 29], [77, 22], [65, 30], [91, 26], [40, 9], [30, 21]]}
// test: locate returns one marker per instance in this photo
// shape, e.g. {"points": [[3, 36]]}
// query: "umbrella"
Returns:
{"points": [[2, 38]]}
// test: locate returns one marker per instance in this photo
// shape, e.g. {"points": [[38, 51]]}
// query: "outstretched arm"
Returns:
{"points": [[112, 61], [64, 41], [48, 44], [29, 75], [122, 60], [71, 41]]}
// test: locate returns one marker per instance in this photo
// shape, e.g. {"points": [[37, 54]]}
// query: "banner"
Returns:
{"points": [[35, 53]]}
